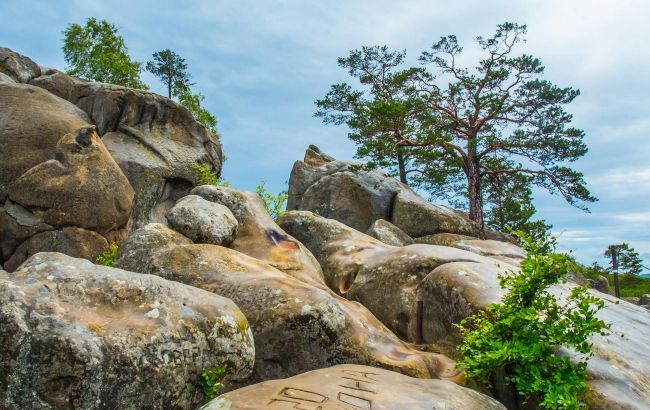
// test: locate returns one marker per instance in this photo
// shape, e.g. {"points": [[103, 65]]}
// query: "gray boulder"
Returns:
{"points": [[389, 233], [19, 68], [353, 387], [203, 221], [78, 335]]}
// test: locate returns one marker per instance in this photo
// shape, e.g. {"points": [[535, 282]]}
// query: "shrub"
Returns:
{"points": [[107, 258], [212, 380], [274, 204], [520, 336], [206, 176]]}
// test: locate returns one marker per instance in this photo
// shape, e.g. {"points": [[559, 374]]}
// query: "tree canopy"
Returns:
{"points": [[171, 69], [447, 127], [97, 52], [629, 260]]}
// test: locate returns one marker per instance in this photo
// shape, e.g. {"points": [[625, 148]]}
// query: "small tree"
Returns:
{"points": [[521, 335], [629, 261], [458, 121], [97, 52], [171, 69], [193, 103], [274, 204]]}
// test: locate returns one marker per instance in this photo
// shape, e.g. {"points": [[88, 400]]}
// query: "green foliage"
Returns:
{"points": [[193, 103], [206, 176], [631, 285], [521, 335], [107, 258], [97, 52], [629, 261], [274, 204], [171, 69], [447, 128], [212, 380]]}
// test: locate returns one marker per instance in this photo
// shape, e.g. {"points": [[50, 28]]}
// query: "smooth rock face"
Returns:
{"points": [[78, 335], [296, 326], [354, 387], [357, 197], [260, 237], [389, 233], [18, 67], [504, 251], [82, 186], [203, 221], [154, 140], [389, 281]]}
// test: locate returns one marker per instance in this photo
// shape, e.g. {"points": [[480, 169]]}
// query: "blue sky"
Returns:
{"points": [[261, 64]]}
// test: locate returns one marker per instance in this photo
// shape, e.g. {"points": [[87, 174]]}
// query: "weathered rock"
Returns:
{"points": [[18, 67], [4, 78], [504, 251], [357, 196], [389, 281], [389, 233], [260, 237], [78, 335], [153, 139], [16, 225], [600, 284], [643, 300], [419, 217], [82, 186], [32, 121], [203, 221], [353, 387], [72, 241], [296, 326]]}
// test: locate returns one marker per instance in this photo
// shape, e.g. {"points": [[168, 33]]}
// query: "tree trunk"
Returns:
{"points": [[402, 168], [475, 190], [169, 87]]}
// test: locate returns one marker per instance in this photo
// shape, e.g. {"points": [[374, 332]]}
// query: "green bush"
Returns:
{"points": [[107, 258], [274, 204], [212, 380], [206, 176], [520, 336]]}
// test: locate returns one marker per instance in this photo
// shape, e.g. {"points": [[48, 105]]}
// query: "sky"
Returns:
{"points": [[262, 64]]}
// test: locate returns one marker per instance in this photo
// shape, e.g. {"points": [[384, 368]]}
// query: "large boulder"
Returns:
{"points": [[78, 335], [19, 68], [504, 251], [389, 233], [260, 237], [390, 280], [153, 139], [354, 387], [297, 327], [357, 196], [203, 221]]}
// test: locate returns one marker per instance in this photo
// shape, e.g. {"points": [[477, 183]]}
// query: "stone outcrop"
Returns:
{"points": [[357, 197], [18, 68], [389, 233], [153, 139], [390, 280], [500, 250], [296, 326], [353, 387], [203, 221], [78, 335]]}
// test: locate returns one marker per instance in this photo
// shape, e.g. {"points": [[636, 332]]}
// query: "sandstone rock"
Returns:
{"points": [[442, 239], [153, 139], [315, 157], [78, 335], [504, 251], [600, 284], [353, 387], [18, 67], [16, 225], [203, 221], [4, 78], [389, 233], [260, 237], [643, 300], [419, 217], [32, 121], [72, 241], [296, 326], [389, 281], [82, 186]]}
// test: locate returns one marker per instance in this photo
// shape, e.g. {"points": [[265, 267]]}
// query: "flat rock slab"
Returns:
{"points": [[82, 336], [353, 387]]}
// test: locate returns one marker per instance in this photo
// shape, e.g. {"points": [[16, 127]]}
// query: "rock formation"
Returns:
{"points": [[354, 387], [78, 335]]}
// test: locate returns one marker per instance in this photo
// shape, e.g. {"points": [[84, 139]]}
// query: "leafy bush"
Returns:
{"points": [[107, 258], [206, 176], [274, 204], [520, 336], [212, 380]]}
